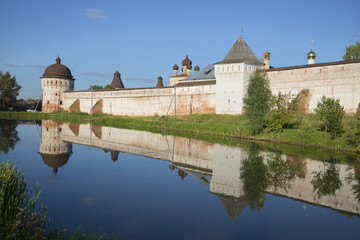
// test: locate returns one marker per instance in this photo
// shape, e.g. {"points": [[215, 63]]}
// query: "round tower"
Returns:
{"points": [[56, 79]]}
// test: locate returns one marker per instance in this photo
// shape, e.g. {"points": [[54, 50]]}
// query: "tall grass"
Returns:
{"points": [[19, 216]]}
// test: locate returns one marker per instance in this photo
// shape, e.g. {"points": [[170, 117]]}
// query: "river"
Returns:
{"points": [[140, 185]]}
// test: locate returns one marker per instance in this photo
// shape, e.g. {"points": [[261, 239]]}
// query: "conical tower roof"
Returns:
{"points": [[116, 82], [233, 206], [240, 52]]}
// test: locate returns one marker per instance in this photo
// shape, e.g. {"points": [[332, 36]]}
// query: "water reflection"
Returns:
{"points": [[8, 135], [238, 176], [54, 151]]}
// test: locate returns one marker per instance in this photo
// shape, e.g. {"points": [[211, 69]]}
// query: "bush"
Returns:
{"points": [[331, 113], [282, 114]]}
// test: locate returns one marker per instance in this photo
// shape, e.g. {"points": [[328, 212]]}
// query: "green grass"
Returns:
{"points": [[203, 126]]}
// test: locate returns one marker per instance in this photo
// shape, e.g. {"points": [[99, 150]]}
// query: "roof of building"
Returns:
{"points": [[195, 83], [205, 73], [56, 160], [314, 65], [58, 70], [116, 82], [233, 206], [240, 52]]}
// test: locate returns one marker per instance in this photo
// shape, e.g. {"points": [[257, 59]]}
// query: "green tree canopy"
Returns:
{"points": [[331, 113], [257, 100], [108, 86], [352, 52], [95, 87], [9, 90]]}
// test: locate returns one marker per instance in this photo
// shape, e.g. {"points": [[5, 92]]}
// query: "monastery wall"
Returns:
{"points": [[144, 101], [336, 80]]}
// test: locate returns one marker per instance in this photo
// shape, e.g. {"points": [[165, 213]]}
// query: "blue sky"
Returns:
{"points": [[143, 39]]}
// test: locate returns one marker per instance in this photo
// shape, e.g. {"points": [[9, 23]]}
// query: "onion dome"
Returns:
{"points": [[175, 67], [196, 68], [58, 70], [311, 55], [186, 61]]}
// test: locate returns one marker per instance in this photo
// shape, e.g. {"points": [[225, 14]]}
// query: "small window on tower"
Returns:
{"points": [[48, 102], [60, 102]]}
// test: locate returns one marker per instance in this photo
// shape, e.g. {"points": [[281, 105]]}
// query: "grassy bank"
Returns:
{"points": [[307, 132]]}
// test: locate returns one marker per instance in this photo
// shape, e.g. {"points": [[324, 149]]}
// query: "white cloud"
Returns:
{"points": [[141, 79], [11, 65], [94, 13], [98, 74], [35, 66]]}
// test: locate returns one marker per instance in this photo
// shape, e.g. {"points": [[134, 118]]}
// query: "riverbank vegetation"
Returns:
{"points": [[20, 215], [306, 130]]}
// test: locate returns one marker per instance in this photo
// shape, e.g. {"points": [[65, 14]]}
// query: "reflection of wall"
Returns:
{"points": [[222, 163], [54, 151]]}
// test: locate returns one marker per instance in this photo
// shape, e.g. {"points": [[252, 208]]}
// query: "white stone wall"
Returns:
{"points": [[147, 101], [336, 81], [231, 84]]}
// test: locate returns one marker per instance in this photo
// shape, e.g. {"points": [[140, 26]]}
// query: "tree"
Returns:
{"points": [[326, 182], [283, 109], [257, 100], [352, 52], [331, 113], [8, 136], [253, 174], [95, 87], [9, 90], [108, 86]]}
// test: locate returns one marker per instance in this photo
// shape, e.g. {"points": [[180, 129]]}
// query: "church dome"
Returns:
{"points": [[175, 67], [311, 55], [186, 61], [57, 70], [196, 68]]}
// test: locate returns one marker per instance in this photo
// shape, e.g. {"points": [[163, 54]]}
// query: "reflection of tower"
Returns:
{"points": [[182, 174], [114, 155], [225, 181], [54, 152]]}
